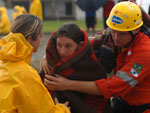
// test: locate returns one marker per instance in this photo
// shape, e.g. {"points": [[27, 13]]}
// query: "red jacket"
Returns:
{"points": [[107, 8], [132, 80]]}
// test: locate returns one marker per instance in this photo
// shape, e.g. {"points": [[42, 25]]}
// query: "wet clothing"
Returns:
{"points": [[82, 65], [105, 50], [22, 90], [18, 11], [36, 9], [23, 10], [132, 80], [4, 21]]}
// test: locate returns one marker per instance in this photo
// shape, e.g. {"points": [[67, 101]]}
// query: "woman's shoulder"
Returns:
{"points": [[21, 70]]}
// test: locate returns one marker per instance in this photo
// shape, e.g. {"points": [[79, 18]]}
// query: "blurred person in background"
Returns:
{"points": [[23, 10], [106, 10], [17, 11], [90, 19], [36, 9], [4, 21]]}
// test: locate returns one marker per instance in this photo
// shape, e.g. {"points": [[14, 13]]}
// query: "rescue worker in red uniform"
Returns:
{"points": [[130, 85]]}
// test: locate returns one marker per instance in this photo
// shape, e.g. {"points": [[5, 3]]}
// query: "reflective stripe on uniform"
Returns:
{"points": [[107, 47], [127, 78]]}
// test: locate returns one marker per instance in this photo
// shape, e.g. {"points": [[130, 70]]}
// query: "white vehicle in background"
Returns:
{"points": [[145, 4]]}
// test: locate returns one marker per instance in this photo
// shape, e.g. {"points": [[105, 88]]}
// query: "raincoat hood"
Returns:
{"points": [[17, 7], [18, 11], [35, 0], [4, 21], [3, 10], [22, 90], [36, 9], [14, 47]]}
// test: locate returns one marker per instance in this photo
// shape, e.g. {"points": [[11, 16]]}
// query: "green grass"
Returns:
{"points": [[51, 25]]}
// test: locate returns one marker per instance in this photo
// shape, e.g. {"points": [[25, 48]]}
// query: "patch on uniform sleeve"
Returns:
{"points": [[135, 70]]}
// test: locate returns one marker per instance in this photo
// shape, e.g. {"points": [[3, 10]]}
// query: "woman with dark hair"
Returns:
{"points": [[69, 54]]}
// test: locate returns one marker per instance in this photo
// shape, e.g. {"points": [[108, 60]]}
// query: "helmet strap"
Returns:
{"points": [[133, 37]]}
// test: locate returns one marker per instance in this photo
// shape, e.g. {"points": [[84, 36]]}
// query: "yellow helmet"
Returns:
{"points": [[125, 16]]}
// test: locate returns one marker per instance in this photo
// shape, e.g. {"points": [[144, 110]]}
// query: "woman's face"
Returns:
{"points": [[35, 43], [66, 47]]}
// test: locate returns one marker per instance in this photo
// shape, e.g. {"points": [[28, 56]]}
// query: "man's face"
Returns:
{"points": [[121, 38]]}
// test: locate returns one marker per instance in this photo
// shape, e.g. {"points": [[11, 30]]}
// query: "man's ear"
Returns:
{"points": [[29, 39]]}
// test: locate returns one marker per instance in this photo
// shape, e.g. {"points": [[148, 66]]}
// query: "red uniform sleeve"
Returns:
{"points": [[131, 74], [112, 87]]}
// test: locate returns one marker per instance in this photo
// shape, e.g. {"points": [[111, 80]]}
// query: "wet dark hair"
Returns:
{"points": [[71, 31]]}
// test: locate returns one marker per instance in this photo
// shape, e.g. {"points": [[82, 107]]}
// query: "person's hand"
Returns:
{"points": [[66, 103], [44, 66], [57, 83]]}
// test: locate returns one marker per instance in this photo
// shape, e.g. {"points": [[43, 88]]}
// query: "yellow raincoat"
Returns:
{"points": [[18, 11], [21, 89], [36, 9], [4, 21], [24, 11]]}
